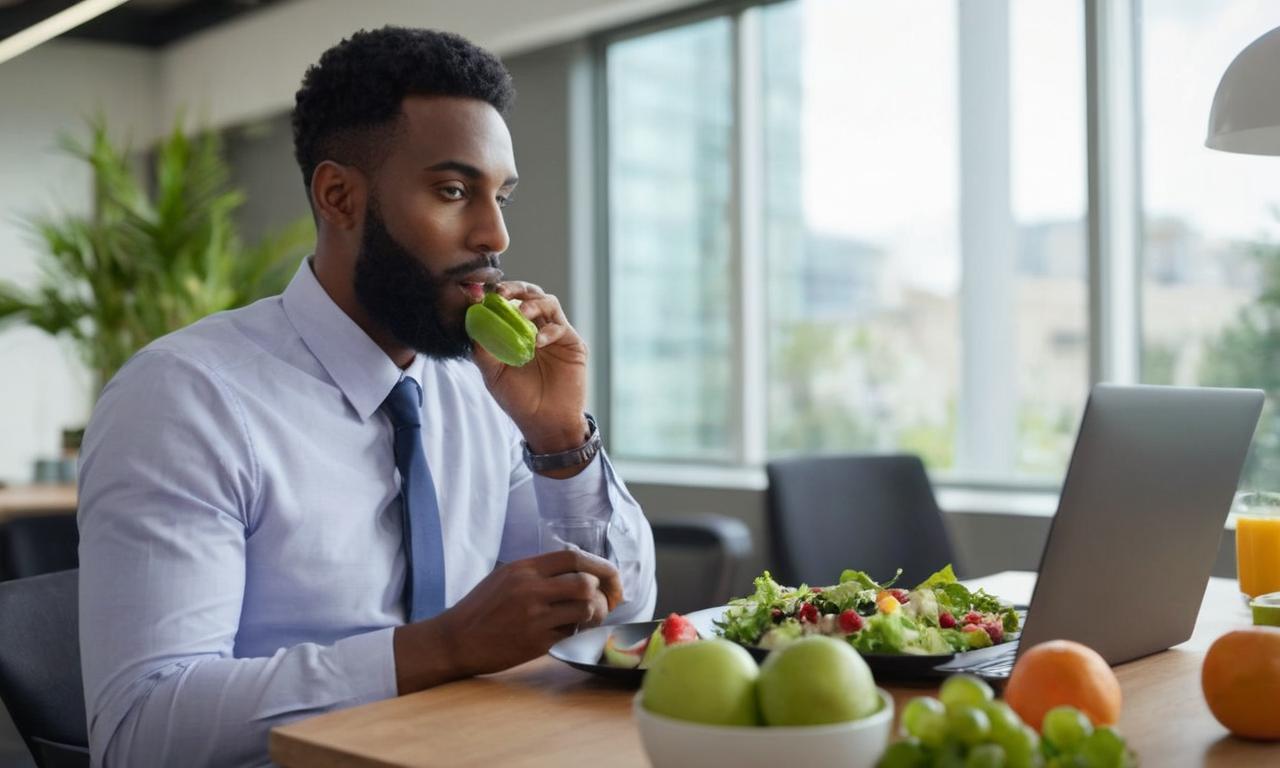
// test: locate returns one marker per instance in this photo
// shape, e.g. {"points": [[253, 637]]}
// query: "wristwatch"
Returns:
{"points": [[546, 462]]}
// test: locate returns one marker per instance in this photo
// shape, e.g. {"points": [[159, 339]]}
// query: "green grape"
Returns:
{"points": [[968, 725], [965, 690], [1005, 723], [926, 719], [1064, 727], [985, 756], [908, 753], [1021, 747], [1104, 748], [949, 755]]}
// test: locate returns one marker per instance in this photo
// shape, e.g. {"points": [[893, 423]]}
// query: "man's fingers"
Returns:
{"points": [[573, 613], [569, 560], [551, 333], [543, 311], [572, 586], [519, 289]]}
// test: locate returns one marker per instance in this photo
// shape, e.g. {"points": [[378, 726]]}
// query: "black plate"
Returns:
{"points": [[583, 651]]}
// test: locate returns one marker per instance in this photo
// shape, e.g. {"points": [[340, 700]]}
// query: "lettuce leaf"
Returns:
{"points": [[945, 576], [781, 634], [866, 581], [748, 618], [883, 633], [849, 594]]}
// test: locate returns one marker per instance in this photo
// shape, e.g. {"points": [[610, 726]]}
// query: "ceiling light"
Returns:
{"points": [[60, 22]]}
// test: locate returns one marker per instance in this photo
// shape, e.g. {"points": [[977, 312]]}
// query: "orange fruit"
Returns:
{"points": [[1241, 682], [1063, 672]]}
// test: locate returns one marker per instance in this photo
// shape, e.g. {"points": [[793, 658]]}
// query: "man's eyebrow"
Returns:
{"points": [[468, 170]]}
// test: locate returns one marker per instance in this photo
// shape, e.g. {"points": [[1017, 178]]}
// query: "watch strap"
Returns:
{"points": [[583, 454]]}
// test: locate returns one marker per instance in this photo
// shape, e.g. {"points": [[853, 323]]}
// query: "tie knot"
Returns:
{"points": [[404, 404]]}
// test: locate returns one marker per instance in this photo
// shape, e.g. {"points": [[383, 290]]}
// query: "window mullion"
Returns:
{"points": [[1114, 191], [988, 390], [751, 303]]}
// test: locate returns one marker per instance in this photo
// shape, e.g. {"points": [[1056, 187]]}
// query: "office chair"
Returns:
{"points": [[40, 681], [697, 561], [869, 513], [37, 544]]}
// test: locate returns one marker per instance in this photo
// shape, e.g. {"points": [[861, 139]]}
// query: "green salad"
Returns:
{"points": [[939, 616]]}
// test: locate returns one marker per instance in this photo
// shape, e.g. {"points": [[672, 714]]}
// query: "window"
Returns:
{"points": [[841, 226], [670, 143], [1211, 225]]}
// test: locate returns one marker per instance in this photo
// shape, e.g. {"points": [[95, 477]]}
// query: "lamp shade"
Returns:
{"points": [[1245, 116]]}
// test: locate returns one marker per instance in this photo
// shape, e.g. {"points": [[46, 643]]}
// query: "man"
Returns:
{"points": [[330, 497]]}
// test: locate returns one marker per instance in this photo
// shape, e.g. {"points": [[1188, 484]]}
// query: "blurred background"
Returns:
{"points": [[785, 228]]}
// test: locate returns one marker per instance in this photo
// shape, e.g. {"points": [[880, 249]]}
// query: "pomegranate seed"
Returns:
{"points": [[850, 621], [776, 613], [900, 595], [816, 590], [808, 612], [946, 620], [973, 617], [994, 630]]}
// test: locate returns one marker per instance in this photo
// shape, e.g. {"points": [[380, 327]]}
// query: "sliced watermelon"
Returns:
{"points": [[673, 629], [625, 656], [678, 629]]}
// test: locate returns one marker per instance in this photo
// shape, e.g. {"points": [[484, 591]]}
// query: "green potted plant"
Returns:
{"points": [[150, 258]]}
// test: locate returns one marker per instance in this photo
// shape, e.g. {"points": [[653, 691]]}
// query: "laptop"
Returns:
{"points": [[1139, 520]]}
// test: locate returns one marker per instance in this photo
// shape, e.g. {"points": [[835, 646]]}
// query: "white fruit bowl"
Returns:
{"points": [[682, 744]]}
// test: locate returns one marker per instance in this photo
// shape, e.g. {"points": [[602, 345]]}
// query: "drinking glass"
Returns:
{"points": [[1257, 515], [584, 533]]}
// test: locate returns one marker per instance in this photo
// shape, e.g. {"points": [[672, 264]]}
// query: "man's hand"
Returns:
{"points": [[514, 615], [546, 398]]}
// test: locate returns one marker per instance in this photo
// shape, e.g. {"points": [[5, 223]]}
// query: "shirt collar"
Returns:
{"points": [[356, 364]]}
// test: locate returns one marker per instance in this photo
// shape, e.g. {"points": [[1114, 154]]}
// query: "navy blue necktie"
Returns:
{"points": [[423, 543]]}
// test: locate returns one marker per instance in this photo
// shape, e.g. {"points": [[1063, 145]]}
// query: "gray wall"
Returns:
{"points": [[539, 217]]}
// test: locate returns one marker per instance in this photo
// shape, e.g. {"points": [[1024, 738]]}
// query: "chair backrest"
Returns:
{"points": [[697, 561], [873, 513], [36, 544], [40, 682]]}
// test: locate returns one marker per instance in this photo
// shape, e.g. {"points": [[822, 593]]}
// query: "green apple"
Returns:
{"points": [[814, 681], [707, 681]]}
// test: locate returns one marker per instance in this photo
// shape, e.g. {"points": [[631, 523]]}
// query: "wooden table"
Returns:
{"points": [[36, 500], [545, 713]]}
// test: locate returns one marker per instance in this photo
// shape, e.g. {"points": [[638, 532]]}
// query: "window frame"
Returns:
{"points": [[1113, 219]]}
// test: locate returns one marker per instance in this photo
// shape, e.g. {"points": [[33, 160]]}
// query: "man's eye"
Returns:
{"points": [[504, 201], [452, 193]]}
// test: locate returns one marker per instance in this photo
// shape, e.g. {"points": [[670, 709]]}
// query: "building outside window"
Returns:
{"points": [[849, 227]]}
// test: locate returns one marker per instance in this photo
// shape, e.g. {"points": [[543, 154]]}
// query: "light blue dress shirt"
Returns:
{"points": [[241, 561]]}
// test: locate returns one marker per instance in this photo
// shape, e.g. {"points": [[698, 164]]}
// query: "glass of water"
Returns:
{"points": [[585, 533]]}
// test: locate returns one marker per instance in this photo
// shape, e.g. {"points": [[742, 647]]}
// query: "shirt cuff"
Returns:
{"points": [[368, 663], [583, 495]]}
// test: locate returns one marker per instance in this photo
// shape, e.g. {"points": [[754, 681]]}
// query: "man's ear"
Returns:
{"points": [[338, 194]]}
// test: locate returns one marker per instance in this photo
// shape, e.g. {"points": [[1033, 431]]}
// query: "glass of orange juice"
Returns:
{"points": [[1257, 517]]}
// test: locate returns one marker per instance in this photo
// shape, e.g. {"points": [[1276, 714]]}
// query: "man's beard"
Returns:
{"points": [[403, 297]]}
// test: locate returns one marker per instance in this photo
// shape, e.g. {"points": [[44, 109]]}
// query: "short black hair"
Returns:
{"points": [[352, 97]]}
